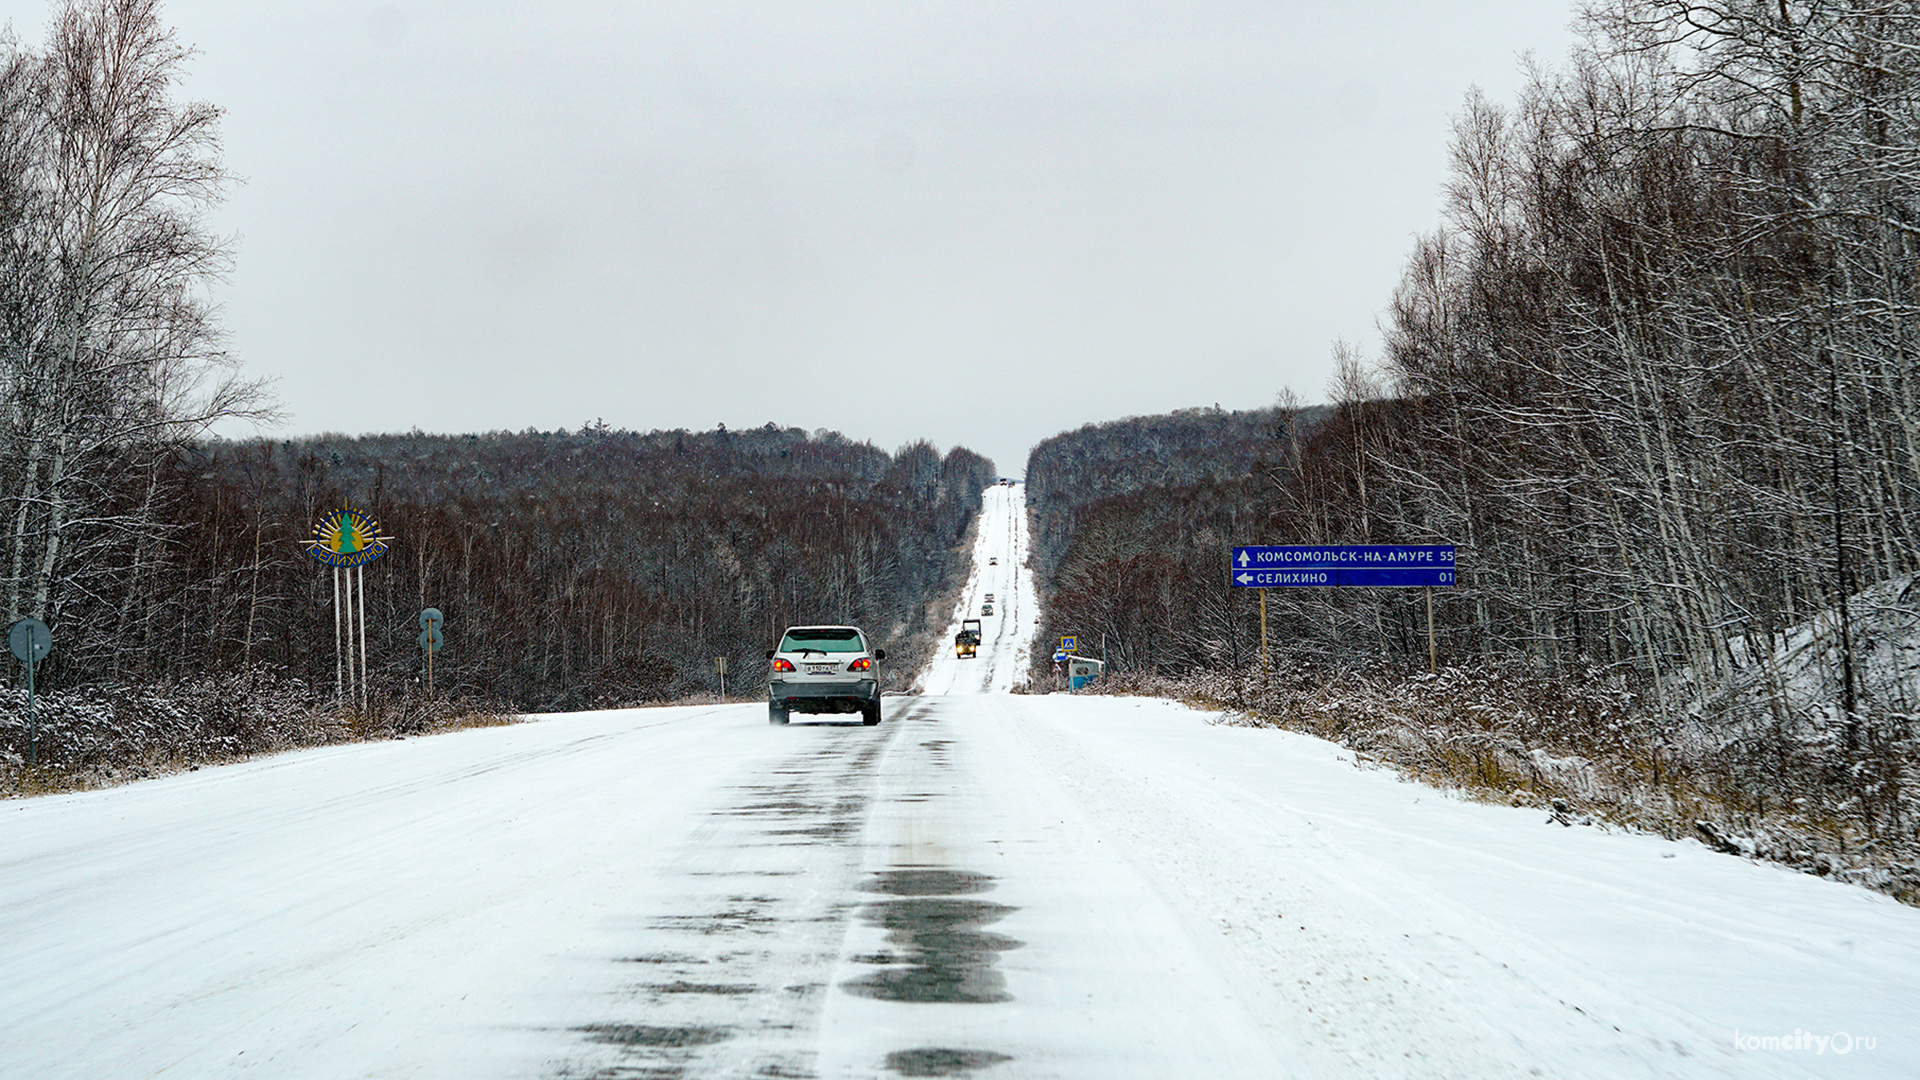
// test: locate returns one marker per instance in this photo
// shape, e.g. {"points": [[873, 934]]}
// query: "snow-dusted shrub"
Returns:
{"points": [[98, 734]]}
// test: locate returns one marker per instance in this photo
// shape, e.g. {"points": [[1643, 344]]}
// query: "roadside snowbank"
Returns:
{"points": [[1594, 748]]}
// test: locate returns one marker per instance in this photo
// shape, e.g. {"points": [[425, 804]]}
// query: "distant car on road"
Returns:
{"points": [[986, 609], [824, 669], [992, 561]]}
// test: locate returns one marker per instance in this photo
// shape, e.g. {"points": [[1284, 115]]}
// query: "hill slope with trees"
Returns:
{"points": [[595, 567], [1654, 377]]}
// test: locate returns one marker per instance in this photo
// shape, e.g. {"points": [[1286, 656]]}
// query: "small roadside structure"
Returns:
{"points": [[1082, 670]]}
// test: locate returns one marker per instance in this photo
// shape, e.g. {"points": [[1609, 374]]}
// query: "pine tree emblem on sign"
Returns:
{"points": [[347, 537]]}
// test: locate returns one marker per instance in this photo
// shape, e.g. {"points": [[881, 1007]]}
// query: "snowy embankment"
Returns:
{"points": [[1775, 769]]}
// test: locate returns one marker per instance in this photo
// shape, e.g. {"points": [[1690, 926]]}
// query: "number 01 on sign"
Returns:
{"points": [[1354, 565]]}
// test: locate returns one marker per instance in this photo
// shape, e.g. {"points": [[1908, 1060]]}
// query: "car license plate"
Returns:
{"points": [[820, 669]]}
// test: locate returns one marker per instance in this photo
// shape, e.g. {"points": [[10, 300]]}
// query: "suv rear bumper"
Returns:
{"points": [[815, 697]]}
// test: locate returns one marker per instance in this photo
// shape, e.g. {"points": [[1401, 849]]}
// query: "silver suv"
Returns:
{"points": [[824, 669]]}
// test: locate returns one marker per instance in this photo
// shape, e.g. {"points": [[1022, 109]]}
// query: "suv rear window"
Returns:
{"points": [[826, 639]]}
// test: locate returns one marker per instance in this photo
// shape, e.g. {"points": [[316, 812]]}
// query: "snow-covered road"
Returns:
{"points": [[1000, 571], [985, 884]]}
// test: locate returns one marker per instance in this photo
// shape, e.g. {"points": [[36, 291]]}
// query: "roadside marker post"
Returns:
{"points": [[430, 640], [30, 641]]}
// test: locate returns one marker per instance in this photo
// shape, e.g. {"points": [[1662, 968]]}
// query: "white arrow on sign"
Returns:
{"points": [[1244, 578], [1243, 559]]}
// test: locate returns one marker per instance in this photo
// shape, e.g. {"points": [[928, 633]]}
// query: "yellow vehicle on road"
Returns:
{"points": [[967, 641]]}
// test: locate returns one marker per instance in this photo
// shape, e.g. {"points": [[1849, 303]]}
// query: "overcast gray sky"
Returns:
{"points": [[975, 222]]}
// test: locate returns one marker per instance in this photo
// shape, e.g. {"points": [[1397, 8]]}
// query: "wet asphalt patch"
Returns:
{"points": [[941, 1061], [940, 949], [940, 952], [730, 976], [732, 921], [928, 881], [643, 1035], [681, 986]]}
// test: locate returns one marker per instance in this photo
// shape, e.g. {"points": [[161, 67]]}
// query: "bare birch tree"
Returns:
{"points": [[111, 354]]}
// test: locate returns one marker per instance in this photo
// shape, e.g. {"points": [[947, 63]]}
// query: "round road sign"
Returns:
{"points": [[430, 618], [30, 640]]}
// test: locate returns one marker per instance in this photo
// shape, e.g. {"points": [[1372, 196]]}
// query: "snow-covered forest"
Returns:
{"points": [[1654, 375], [575, 569], [1658, 364]]}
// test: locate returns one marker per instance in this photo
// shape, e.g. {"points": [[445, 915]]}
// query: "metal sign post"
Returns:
{"points": [[30, 641], [430, 640], [339, 671], [360, 605], [720, 666], [1432, 667], [1265, 666]]}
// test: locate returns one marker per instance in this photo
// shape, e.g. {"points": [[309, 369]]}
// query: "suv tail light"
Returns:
{"points": [[862, 664], [781, 663]]}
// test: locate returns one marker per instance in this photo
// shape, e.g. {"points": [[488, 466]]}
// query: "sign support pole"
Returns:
{"points": [[1432, 667], [1265, 664], [353, 657], [29, 641], [339, 657], [346, 609], [33, 732], [360, 573]]}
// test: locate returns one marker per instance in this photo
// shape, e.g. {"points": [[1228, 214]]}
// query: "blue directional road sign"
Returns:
{"points": [[1309, 565]]}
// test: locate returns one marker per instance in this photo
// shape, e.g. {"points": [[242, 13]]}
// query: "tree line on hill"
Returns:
{"points": [[597, 567], [1131, 519], [573, 569]]}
